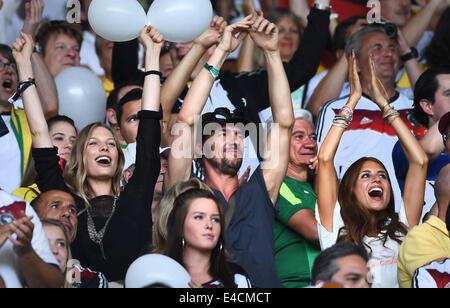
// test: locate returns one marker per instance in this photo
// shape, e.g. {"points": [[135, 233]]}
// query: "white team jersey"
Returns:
{"points": [[367, 136], [9, 266]]}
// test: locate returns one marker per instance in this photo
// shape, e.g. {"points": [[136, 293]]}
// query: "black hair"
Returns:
{"points": [[426, 88], [6, 52], [325, 265], [340, 34], [60, 118], [437, 53], [113, 98], [133, 95]]}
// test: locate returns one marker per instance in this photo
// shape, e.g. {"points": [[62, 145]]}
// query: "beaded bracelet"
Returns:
{"points": [[338, 118], [390, 113], [340, 125], [349, 112]]}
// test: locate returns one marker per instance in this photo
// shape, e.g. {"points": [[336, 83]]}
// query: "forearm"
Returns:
{"points": [[177, 80], [432, 142], [414, 69], [33, 109], [245, 60], [330, 87], [46, 86], [414, 189], [39, 274], [152, 84], [279, 92], [416, 26], [306, 60], [301, 9], [413, 151], [201, 87], [276, 155]]}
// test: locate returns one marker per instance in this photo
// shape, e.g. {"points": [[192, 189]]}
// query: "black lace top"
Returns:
{"points": [[130, 228]]}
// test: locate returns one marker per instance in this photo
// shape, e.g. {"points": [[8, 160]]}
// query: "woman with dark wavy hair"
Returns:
{"points": [[195, 240], [361, 208]]}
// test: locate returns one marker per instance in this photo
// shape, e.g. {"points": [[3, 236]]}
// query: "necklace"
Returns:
{"points": [[97, 236]]}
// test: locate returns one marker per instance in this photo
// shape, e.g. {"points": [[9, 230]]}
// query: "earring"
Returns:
{"points": [[182, 242]]}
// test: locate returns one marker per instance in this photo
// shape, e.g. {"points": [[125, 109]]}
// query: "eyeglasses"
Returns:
{"points": [[3, 65]]}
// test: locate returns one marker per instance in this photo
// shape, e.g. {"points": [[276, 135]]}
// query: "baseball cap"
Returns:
{"points": [[224, 116], [444, 123]]}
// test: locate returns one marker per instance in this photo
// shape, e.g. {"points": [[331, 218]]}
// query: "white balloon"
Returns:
{"points": [[81, 95], [117, 20], [156, 268], [180, 20]]}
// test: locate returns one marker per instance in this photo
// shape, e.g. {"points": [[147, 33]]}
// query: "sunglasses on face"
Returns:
{"points": [[3, 66]]}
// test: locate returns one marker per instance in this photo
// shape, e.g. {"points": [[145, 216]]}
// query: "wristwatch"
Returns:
{"points": [[413, 54], [322, 7]]}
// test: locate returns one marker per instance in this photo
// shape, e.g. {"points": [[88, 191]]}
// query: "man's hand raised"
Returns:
{"points": [[264, 33], [235, 33], [213, 34]]}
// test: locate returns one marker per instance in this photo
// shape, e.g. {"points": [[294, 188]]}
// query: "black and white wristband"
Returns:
{"points": [[21, 88]]}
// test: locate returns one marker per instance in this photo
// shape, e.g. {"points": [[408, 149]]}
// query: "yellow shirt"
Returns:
{"points": [[422, 245], [108, 85], [27, 193]]}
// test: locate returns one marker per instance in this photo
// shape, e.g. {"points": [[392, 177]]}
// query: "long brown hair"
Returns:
{"points": [[76, 173], [358, 220], [219, 265], [165, 208]]}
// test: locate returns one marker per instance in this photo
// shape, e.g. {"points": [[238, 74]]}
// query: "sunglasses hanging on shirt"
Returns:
{"points": [[3, 129]]}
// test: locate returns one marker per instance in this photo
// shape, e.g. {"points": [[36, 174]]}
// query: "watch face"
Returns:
{"points": [[6, 219]]}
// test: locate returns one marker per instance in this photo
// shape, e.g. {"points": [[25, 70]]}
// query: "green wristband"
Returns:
{"points": [[214, 72]]}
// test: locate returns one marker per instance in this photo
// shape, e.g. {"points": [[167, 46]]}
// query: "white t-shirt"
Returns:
{"points": [[433, 275], [9, 267], [10, 163], [314, 82], [88, 55], [368, 135], [383, 258]]}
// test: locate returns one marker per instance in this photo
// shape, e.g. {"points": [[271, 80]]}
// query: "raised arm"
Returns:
{"points": [[416, 26], [330, 87], [327, 181], [276, 154], [152, 40], [301, 9], [180, 159], [45, 83], [22, 50], [177, 80], [413, 67], [245, 59], [432, 142], [414, 190]]}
